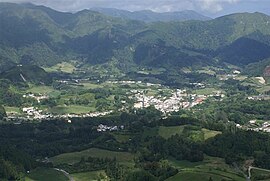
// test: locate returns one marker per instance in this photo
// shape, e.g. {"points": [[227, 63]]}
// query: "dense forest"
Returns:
{"points": [[50, 138]]}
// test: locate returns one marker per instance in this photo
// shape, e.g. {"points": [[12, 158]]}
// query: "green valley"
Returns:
{"points": [[88, 96]]}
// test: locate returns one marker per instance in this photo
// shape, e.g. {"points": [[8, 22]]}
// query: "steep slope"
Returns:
{"points": [[25, 31], [260, 68], [44, 35], [160, 55], [27, 73], [21, 25], [212, 34], [244, 51]]}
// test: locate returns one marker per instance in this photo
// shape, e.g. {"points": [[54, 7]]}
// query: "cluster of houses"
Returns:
{"points": [[256, 126], [259, 97], [232, 75], [33, 113], [104, 128], [124, 82], [128, 82], [37, 97], [198, 85], [86, 115], [178, 100]]}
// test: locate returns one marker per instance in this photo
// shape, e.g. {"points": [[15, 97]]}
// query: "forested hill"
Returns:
{"points": [[39, 35]]}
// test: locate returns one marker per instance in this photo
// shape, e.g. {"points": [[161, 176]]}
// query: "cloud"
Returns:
{"points": [[132, 5], [215, 5]]}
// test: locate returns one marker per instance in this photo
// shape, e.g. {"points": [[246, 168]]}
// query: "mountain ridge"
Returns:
{"points": [[44, 37], [151, 16]]}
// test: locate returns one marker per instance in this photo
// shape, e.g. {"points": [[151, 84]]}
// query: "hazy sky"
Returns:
{"points": [[208, 7]]}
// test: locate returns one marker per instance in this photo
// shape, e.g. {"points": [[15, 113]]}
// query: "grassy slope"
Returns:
{"points": [[205, 91], [12, 109], [122, 138], [74, 157], [202, 171], [43, 90], [61, 67], [76, 109], [209, 133], [167, 132], [46, 174], [90, 176]]}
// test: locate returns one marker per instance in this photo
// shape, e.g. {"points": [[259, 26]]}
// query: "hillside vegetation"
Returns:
{"points": [[2, 112], [38, 35]]}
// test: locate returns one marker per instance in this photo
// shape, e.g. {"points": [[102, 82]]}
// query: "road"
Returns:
{"points": [[65, 173], [256, 168]]}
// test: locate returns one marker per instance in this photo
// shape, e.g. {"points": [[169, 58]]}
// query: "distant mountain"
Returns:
{"points": [[38, 35], [150, 16]]}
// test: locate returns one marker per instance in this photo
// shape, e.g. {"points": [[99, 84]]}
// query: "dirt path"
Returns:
{"points": [[66, 174]]}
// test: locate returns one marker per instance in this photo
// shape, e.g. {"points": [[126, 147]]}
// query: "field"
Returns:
{"points": [[205, 91], [12, 110], [75, 109], [209, 133], [48, 90], [207, 70], [123, 138], [74, 157], [90, 176], [89, 85], [202, 171], [61, 67], [46, 174], [40, 89], [167, 132], [264, 89]]}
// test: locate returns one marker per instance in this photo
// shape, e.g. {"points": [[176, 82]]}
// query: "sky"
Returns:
{"points": [[212, 8]]}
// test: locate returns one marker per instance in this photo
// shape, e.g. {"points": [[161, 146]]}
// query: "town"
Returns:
{"points": [[179, 99]]}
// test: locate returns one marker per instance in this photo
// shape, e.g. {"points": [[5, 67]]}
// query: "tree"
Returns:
{"points": [[2, 112], [8, 170], [262, 159], [140, 176]]}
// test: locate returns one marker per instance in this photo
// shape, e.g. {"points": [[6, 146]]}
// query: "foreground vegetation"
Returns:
{"points": [[79, 149]]}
